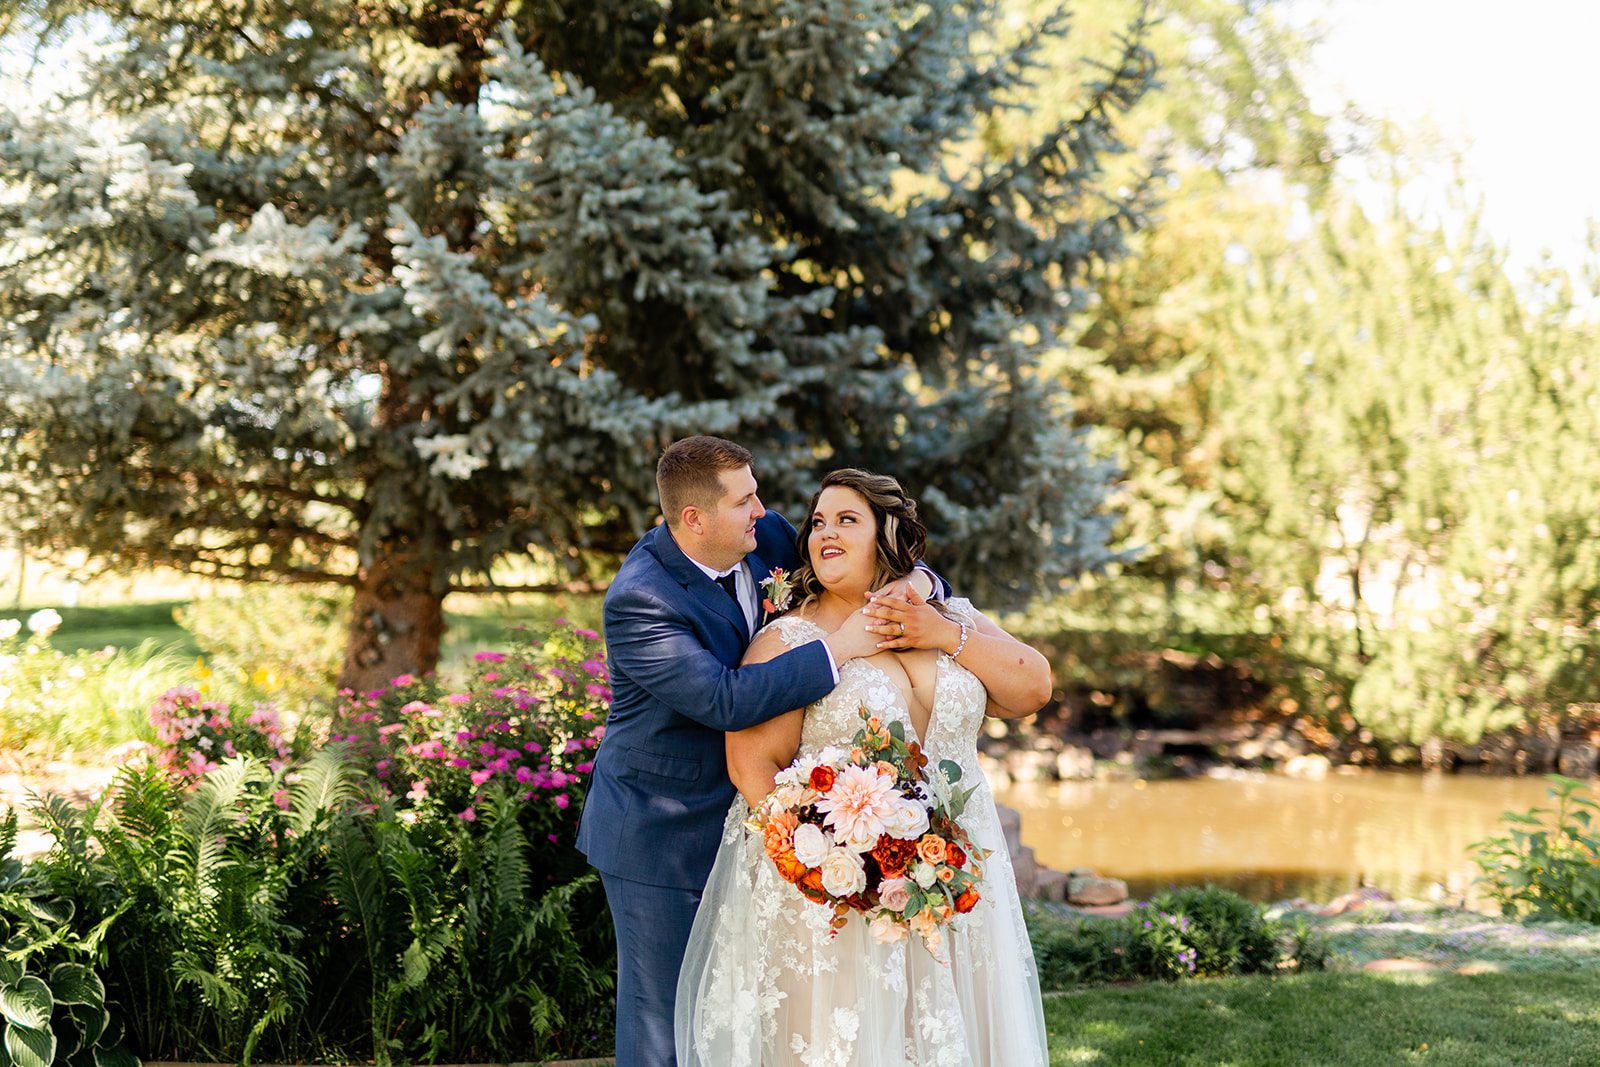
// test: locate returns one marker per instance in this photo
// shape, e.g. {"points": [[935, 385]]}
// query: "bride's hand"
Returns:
{"points": [[905, 622]]}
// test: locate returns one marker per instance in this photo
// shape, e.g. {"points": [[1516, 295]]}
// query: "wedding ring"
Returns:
{"points": [[902, 629]]}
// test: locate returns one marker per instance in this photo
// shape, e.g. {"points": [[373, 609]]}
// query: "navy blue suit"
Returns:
{"points": [[653, 815]]}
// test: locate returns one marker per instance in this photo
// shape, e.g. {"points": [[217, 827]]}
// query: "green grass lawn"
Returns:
{"points": [[1331, 1018], [476, 623]]}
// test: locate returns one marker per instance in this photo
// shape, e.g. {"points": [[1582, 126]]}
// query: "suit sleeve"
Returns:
{"points": [[656, 648]]}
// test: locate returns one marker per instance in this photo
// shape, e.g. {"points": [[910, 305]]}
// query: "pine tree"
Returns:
{"points": [[381, 294]]}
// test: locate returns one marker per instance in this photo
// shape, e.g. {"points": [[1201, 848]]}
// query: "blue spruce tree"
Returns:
{"points": [[380, 294]]}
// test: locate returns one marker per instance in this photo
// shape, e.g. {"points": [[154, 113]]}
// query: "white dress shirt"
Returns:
{"points": [[749, 600]]}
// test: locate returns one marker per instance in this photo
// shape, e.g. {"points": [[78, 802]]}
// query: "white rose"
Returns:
{"points": [[924, 874], [44, 622], [9, 628], [885, 931], [908, 822], [810, 847], [843, 873]]}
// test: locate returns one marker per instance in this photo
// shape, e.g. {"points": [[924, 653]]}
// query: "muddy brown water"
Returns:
{"points": [[1271, 837]]}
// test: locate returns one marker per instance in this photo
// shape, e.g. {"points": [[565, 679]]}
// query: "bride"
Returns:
{"points": [[766, 979]]}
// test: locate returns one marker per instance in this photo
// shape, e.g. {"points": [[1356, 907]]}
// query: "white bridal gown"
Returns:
{"points": [[766, 981]]}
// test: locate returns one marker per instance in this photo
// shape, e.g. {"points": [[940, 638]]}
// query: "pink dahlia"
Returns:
{"points": [[861, 801]]}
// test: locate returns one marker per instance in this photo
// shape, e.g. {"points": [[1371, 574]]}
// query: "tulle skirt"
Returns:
{"points": [[766, 981]]}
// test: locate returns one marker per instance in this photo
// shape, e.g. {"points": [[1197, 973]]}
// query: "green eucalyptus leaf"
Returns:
{"points": [[897, 730], [27, 1003], [73, 983], [951, 770], [30, 1046]]}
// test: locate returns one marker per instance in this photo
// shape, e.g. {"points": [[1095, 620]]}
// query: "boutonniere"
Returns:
{"points": [[779, 590]]}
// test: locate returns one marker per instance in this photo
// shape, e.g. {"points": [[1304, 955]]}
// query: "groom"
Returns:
{"points": [[678, 618]]}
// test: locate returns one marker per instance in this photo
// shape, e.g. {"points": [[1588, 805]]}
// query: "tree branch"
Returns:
{"points": [[556, 587]]}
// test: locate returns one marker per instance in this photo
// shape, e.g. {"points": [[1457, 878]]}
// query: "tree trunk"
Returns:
{"points": [[396, 621]]}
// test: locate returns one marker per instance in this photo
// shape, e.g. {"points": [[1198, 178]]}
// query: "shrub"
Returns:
{"points": [[194, 736], [1547, 864], [1180, 933], [54, 701], [527, 720], [287, 639], [409, 892]]}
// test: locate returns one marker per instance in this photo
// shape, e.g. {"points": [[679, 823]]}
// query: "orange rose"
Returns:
{"points": [[811, 885], [931, 848], [885, 767], [822, 778], [874, 723], [789, 866], [967, 899], [952, 855], [946, 874]]}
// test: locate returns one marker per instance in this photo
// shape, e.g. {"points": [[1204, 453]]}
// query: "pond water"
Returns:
{"points": [[1271, 837]]}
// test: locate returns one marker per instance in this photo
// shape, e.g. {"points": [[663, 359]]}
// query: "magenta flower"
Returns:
{"points": [[469, 815], [489, 657]]}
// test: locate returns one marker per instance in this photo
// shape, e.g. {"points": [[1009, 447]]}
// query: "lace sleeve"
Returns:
{"points": [[792, 630], [961, 608]]}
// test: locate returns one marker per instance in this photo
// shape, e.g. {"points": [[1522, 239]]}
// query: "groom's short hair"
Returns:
{"points": [[690, 473]]}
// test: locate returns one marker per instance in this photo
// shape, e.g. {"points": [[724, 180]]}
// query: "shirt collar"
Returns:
{"points": [[709, 572]]}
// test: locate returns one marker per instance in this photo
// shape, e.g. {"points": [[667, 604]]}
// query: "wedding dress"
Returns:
{"points": [[766, 981]]}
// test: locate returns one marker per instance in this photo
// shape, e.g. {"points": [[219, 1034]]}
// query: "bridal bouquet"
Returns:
{"points": [[866, 830]]}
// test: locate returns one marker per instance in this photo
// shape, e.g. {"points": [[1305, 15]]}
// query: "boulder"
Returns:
{"points": [[1050, 885], [1579, 759], [1355, 901], [1097, 892], [1313, 766]]}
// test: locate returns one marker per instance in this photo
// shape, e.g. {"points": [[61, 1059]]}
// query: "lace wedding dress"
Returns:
{"points": [[767, 982]]}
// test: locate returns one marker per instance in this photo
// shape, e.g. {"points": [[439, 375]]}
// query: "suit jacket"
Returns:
{"points": [[674, 639]]}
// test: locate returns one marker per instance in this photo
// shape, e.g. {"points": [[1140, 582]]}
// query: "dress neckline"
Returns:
{"points": [[905, 702]]}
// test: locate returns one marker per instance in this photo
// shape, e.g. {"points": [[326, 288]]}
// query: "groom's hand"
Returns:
{"points": [[919, 581], [852, 640]]}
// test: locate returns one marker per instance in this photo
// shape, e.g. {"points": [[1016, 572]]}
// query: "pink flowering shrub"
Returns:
{"points": [[526, 722], [194, 735]]}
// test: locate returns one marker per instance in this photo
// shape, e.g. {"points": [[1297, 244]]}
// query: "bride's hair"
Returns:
{"points": [[901, 536]]}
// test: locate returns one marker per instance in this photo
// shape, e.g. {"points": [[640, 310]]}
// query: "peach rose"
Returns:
{"points": [[946, 874], [885, 931], [931, 848]]}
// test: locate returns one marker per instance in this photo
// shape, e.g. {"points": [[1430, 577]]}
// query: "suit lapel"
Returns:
{"points": [[759, 570], [694, 581]]}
